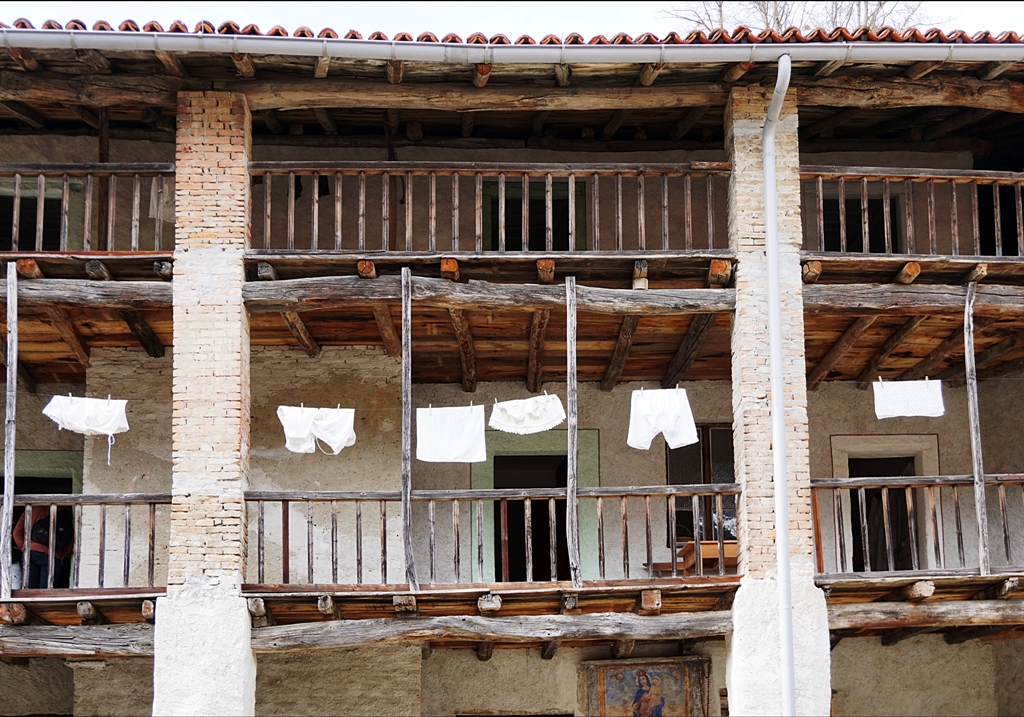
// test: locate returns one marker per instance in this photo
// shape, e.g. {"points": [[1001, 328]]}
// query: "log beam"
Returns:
{"points": [[920, 69], [838, 350], [545, 271], [481, 73], [1000, 591], [979, 272], [172, 65], [989, 355], [90, 614], [621, 649], [61, 320], [24, 58], [957, 121], [826, 69], [243, 63], [825, 126], [484, 650], [535, 360], [811, 271], [85, 115], [345, 291], [548, 649], [886, 350], [87, 641], [297, 328], [993, 69], [910, 271], [563, 75], [140, 329], [894, 615], [164, 269], [270, 119], [915, 592], [386, 326], [648, 73], [395, 70], [450, 269], [617, 120], [950, 91], [734, 72], [688, 121], [93, 59], [539, 118], [912, 300], [14, 613], [322, 67], [626, 333], [686, 354], [324, 118], [467, 352], [24, 113], [468, 119], [648, 602], [894, 637]]}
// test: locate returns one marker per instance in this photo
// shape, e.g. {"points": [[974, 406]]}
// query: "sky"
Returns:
{"points": [[511, 18]]}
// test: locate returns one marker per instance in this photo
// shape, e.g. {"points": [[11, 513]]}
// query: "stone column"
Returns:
{"points": [[754, 671], [204, 663]]}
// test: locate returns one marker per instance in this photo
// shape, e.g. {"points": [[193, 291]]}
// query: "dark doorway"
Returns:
{"points": [[29, 485], [529, 472], [899, 523]]}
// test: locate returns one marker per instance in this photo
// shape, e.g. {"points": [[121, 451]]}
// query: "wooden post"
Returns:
{"points": [[7, 520], [572, 519], [975, 427], [410, 563]]}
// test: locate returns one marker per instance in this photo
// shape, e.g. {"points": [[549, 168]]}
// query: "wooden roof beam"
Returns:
{"points": [[395, 70], [957, 121], [914, 592], [538, 330], [539, 118], [172, 65], [467, 351], [481, 73], [894, 637], [93, 59], [906, 275], [627, 330], [24, 58], [243, 63], [648, 74], [830, 123], [943, 351], [993, 69], [298, 330], [563, 75], [140, 329], [272, 121], [914, 300], [734, 72], [688, 121], [920, 69], [989, 355], [468, 120], [838, 350], [615, 122], [810, 271], [323, 66], [85, 115], [825, 69], [967, 613], [719, 275], [1002, 590], [24, 113], [886, 350], [324, 118], [381, 313], [61, 320]]}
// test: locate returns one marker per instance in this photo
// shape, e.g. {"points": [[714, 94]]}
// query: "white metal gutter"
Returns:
{"points": [[460, 53], [778, 395]]}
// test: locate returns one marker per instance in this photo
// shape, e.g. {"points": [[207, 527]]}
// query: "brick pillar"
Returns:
{"points": [[204, 664], [753, 673]]}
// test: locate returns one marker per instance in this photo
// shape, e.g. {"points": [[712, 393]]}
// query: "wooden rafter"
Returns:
{"points": [[24, 58], [324, 118], [648, 73], [140, 329], [838, 350], [957, 121], [626, 332], [243, 63], [686, 123], [538, 330], [563, 75], [617, 120], [297, 328], [719, 275], [24, 113], [887, 349], [172, 65], [989, 355], [481, 73], [993, 69], [920, 69], [734, 72], [395, 71], [84, 114], [831, 122], [61, 320], [271, 120], [93, 59], [943, 351], [323, 66]]}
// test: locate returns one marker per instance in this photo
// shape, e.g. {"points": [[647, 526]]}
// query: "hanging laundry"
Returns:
{"points": [[89, 416], [895, 399], [167, 211], [529, 415], [450, 434], [661, 411], [306, 428]]}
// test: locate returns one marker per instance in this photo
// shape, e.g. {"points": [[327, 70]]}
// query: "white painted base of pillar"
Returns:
{"points": [[754, 666], [203, 662]]}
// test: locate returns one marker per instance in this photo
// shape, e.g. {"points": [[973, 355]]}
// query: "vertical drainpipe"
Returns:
{"points": [[771, 230]]}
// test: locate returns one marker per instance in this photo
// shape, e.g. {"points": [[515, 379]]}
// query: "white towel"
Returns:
{"points": [[303, 427], [530, 415], [89, 416], [664, 411], [908, 398], [450, 435]]}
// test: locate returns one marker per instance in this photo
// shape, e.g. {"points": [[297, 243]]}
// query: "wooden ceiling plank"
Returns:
{"points": [[838, 350]]}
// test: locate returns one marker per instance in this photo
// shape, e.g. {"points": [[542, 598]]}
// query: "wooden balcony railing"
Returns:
{"points": [[895, 526], [478, 207], [489, 535], [86, 207], [881, 210], [107, 548]]}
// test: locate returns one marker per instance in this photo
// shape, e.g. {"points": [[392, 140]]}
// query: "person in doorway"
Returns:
{"points": [[39, 544]]}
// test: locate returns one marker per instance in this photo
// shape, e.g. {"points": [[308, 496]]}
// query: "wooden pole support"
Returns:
{"points": [[546, 271], [450, 269], [910, 271], [366, 269], [10, 429], [915, 592], [572, 518], [811, 271], [410, 563], [29, 269], [974, 421]]}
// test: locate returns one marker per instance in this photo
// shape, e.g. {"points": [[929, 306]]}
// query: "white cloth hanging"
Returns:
{"points": [[168, 199], [451, 434], [89, 416], [894, 399], [304, 427], [665, 411], [529, 415]]}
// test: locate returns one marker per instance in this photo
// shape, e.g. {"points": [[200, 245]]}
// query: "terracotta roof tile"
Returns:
{"points": [[740, 35]]}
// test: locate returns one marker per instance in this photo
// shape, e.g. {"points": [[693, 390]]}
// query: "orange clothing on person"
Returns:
{"points": [[39, 512]]}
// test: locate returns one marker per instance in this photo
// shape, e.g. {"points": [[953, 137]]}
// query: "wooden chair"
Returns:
{"points": [[686, 561]]}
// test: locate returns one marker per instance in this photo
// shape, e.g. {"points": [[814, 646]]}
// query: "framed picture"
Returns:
{"points": [[655, 687]]}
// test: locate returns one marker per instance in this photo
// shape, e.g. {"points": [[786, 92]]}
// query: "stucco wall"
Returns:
{"points": [[43, 686], [919, 676], [118, 688]]}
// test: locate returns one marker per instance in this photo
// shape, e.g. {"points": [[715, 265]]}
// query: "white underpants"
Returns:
{"points": [[304, 427], [665, 411], [530, 415]]}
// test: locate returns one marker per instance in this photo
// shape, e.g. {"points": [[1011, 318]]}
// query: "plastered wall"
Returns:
{"points": [[36, 687]]}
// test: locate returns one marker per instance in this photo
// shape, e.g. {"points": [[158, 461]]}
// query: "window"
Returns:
{"points": [[708, 461], [27, 223]]}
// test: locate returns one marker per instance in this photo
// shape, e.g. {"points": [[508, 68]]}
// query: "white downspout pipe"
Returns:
{"points": [[778, 408]]}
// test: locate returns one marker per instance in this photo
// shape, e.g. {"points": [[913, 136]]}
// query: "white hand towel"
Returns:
{"points": [[450, 435], [664, 411], [908, 398], [530, 415]]}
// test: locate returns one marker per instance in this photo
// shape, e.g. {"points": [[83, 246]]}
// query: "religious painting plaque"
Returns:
{"points": [[655, 687]]}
